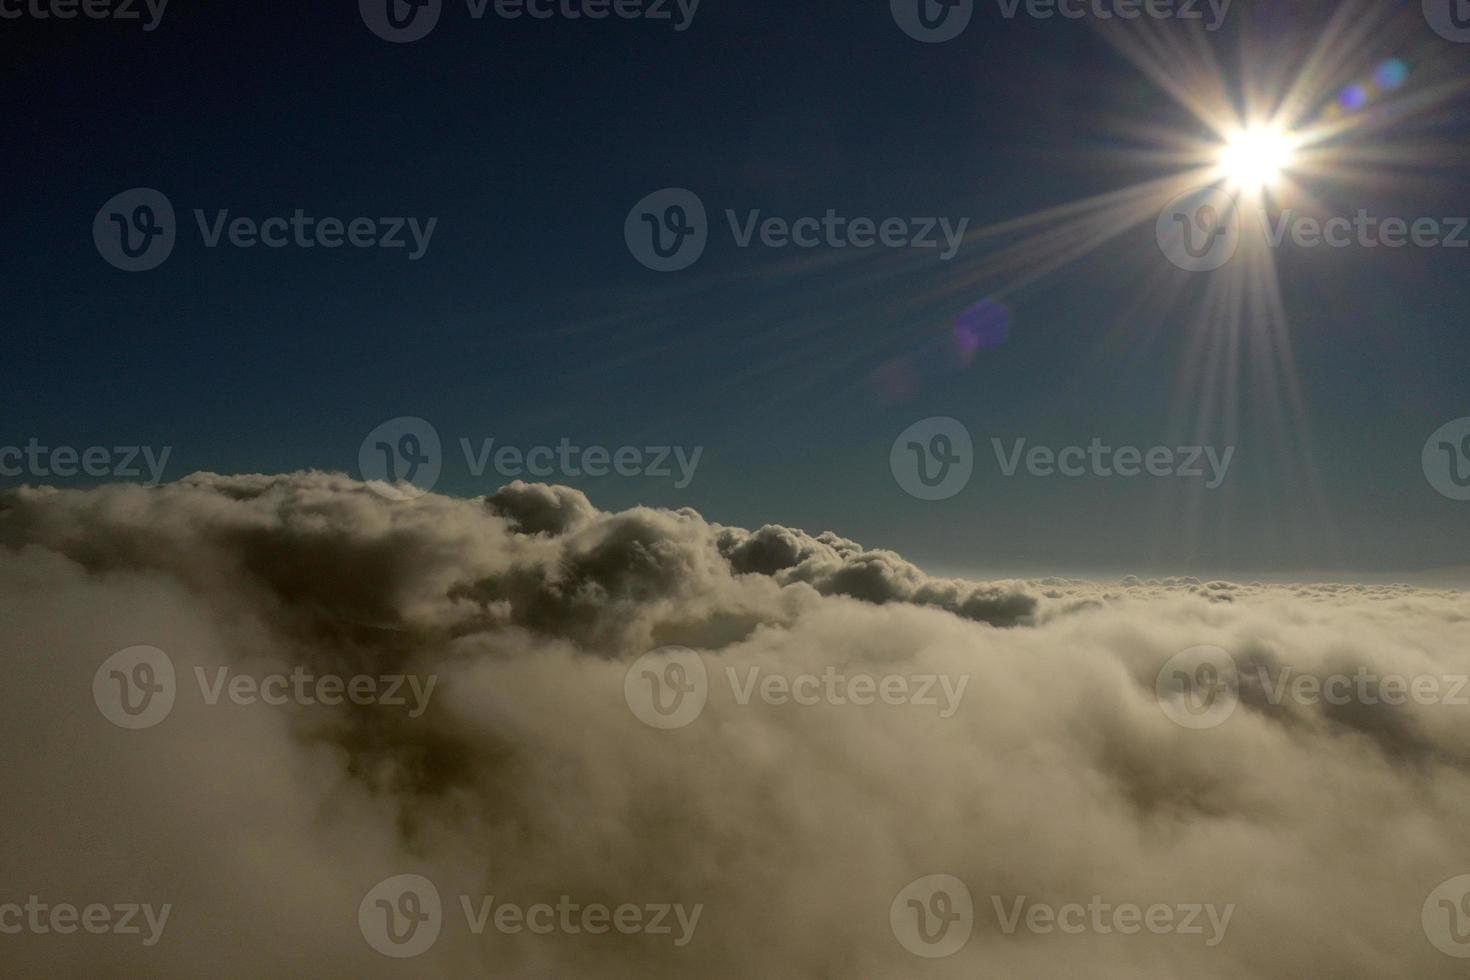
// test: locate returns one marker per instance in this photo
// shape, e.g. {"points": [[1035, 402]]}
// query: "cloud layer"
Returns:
{"points": [[794, 826]]}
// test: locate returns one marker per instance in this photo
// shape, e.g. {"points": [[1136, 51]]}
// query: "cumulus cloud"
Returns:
{"points": [[793, 826]]}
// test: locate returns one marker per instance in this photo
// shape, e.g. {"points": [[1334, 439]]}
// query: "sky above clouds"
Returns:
{"points": [[527, 320]]}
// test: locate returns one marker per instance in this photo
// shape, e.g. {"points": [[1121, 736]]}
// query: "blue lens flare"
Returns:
{"points": [[1353, 98], [1391, 75], [986, 324]]}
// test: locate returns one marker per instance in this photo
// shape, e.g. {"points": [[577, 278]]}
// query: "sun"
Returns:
{"points": [[1253, 159]]}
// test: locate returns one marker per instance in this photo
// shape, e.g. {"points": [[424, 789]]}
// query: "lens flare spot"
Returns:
{"points": [[1391, 75], [986, 324], [1353, 98]]}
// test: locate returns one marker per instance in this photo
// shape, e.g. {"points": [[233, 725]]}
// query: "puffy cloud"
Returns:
{"points": [[836, 566], [530, 775], [536, 508]]}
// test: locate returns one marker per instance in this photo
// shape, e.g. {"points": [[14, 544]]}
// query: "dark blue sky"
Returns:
{"points": [[528, 320]]}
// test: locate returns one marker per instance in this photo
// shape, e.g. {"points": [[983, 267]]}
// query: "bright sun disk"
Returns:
{"points": [[1254, 158]]}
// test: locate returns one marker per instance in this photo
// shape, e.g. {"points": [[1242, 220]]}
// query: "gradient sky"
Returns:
{"points": [[528, 320]]}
